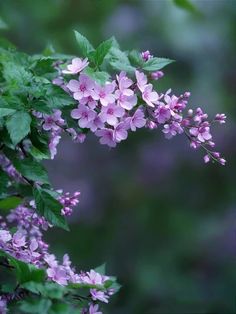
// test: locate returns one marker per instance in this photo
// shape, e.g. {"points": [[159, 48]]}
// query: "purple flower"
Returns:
{"points": [[172, 129], [94, 278], [54, 141], [157, 75], [149, 96], [111, 113], [202, 133], [53, 122], [3, 307], [84, 114], [162, 113], [146, 55], [99, 295], [120, 132], [124, 101], [5, 236], [141, 80], [82, 88], [137, 120], [89, 101], [18, 239], [76, 66], [96, 123], [58, 274], [106, 137], [220, 117], [94, 309], [104, 93], [124, 83]]}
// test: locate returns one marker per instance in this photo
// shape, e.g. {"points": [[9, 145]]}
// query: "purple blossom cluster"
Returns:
{"points": [[123, 104], [27, 244]]}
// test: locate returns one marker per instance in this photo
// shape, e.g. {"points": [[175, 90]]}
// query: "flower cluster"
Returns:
{"points": [[27, 244], [123, 104]]}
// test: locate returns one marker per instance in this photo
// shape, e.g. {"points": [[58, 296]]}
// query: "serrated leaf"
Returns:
{"points": [[46, 289], [136, 59], [155, 64], [18, 126], [6, 112], [84, 45], [28, 167], [101, 269], [119, 60], [36, 306], [99, 76], [102, 50], [49, 207]]}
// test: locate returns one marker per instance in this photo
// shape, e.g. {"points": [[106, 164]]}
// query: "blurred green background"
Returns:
{"points": [[162, 220]]}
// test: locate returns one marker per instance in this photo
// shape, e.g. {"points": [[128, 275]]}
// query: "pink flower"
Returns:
{"points": [[96, 124], [89, 101], [81, 88], [76, 66], [93, 278], [149, 96], [124, 83], [172, 129], [84, 114], [5, 236], [126, 102], [137, 120], [146, 55], [107, 137], [111, 113], [157, 75], [18, 239], [58, 274], [104, 93], [54, 141], [52, 122], [202, 133], [141, 80], [99, 295], [162, 113], [93, 309], [120, 132], [220, 117]]}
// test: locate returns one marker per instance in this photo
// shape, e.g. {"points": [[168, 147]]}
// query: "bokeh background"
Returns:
{"points": [[162, 220]]}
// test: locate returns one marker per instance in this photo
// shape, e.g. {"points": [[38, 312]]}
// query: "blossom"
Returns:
{"points": [[5, 236], [54, 121], [99, 295], [18, 239], [202, 133], [54, 141], [124, 101], [106, 137], [141, 80], [146, 55], [96, 123], [149, 96], [162, 113], [104, 93], [93, 309], [81, 88], [157, 75], [76, 66], [220, 117], [111, 113], [58, 274], [84, 114], [172, 129], [120, 132], [137, 120]]}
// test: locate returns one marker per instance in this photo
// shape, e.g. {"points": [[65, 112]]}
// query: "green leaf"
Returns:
{"points": [[28, 167], [119, 60], [136, 59], [18, 126], [36, 306], [6, 112], [3, 25], [37, 154], [10, 202], [46, 289], [155, 64], [101, 269], [186, 5], [24, 272], [84, 45], [100, 77], [16, 75], [3, 181], [102, 50], [49, 207]]}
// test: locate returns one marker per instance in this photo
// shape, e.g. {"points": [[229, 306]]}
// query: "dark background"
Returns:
{"points": [[162, 220]]}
